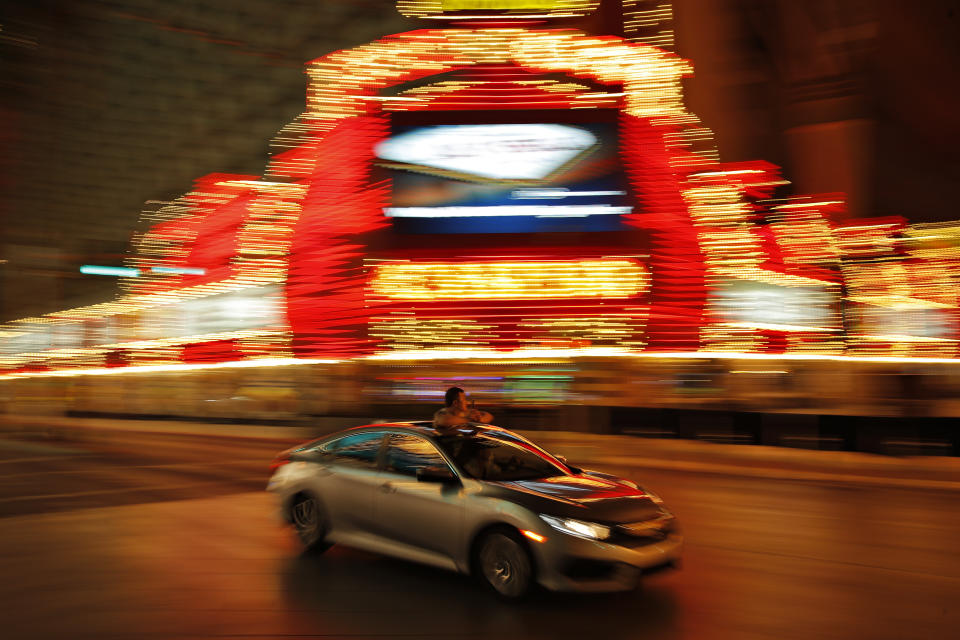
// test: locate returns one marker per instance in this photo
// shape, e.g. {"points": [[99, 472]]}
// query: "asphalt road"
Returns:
{"points": [[173, 537]]}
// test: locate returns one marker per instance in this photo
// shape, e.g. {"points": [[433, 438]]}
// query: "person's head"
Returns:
{"points": [[456, 398]]}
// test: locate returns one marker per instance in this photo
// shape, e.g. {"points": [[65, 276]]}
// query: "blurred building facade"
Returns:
{"points": [[673, 263], [105, 107]]}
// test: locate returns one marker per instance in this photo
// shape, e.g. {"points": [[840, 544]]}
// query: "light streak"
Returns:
{"points": [[193, 271], [769, 326], [540, 211], [498, 9], [96, 270], [563, 193], [167, 368], [536, 537], [607, 278]]}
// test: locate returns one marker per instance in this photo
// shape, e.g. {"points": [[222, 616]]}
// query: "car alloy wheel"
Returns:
{"points": [[309, 522], [505, 565]]}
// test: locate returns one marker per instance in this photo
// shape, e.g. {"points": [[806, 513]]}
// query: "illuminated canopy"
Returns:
{"points": [[452, 9]]}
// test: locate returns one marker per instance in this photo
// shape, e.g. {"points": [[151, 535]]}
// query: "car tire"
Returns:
{"points": [[310, 523], [504, 564]]}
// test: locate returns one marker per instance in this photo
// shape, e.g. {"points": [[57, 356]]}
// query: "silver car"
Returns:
{"points": [[476, 499]]}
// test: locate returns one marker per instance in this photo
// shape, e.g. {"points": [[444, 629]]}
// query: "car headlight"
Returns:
{"points": [[578, 528]]}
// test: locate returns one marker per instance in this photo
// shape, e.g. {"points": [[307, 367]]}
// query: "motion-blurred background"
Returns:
{"points": [[110, 109], [106, 105]]}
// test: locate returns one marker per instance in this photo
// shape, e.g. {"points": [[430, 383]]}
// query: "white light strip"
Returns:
{"points": [[621, 353], [562, 193], [808, 205], [524, 354], [164, 368], [598, 95], [541, 211], [443, 354], [770, 326]]}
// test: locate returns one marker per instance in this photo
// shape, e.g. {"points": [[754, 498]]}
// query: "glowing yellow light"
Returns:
{"points": [[809, 205], [536, 537], [114, 371], [528, 355], [899, 302], [899, 337], [603, 278], [761, 371], [519, 354], [770, 326], [545, 8]]}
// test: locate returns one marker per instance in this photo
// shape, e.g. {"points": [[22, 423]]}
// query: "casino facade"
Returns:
{"points": [[503, 189]]}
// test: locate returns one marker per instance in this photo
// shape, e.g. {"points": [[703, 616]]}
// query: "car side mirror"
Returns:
{"points": [[436, 474], [562, 459]]}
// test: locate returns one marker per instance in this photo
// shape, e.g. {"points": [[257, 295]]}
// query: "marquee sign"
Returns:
{"points": [[451, 8], [510, 280]]}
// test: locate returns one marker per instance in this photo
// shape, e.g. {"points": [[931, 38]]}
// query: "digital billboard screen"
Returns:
{"points": [[505, 178]]}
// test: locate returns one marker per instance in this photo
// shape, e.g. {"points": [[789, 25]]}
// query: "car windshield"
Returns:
{"points": [[486, 456]]}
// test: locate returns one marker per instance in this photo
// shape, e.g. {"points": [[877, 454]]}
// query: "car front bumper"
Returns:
{"points": [[568, 563]]}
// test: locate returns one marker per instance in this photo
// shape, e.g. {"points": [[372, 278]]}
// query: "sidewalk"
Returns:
{"points": [[865, 469]]}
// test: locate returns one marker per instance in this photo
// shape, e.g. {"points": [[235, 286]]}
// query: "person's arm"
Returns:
{"points": [[478, 415]]}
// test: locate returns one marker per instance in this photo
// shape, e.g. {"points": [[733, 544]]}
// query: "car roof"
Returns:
{"points": [[427, 428]]}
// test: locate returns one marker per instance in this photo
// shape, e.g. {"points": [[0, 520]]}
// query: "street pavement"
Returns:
{"points": [[168, 534]]}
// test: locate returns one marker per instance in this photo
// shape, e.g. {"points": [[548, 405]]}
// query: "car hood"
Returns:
{"points": [[579, 496]]}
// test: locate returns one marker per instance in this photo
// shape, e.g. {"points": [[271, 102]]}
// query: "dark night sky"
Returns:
{"points": [[107, 104]]}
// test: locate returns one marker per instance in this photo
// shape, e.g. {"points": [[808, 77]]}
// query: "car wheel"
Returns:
{"points": [[310, 523], [505, 565]]}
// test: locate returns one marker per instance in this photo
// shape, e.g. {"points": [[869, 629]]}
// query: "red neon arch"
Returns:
{"points": [[326, 308]]}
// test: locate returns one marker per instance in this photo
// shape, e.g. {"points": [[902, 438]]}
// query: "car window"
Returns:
{"points": [[357, 449], [487, 457], [407, 453]]}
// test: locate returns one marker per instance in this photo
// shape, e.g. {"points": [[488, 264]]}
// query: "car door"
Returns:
{"points": [[427, 515], [348, 475]]}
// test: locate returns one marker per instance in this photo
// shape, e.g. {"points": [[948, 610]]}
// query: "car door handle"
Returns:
{"points": [[387, 487]]}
